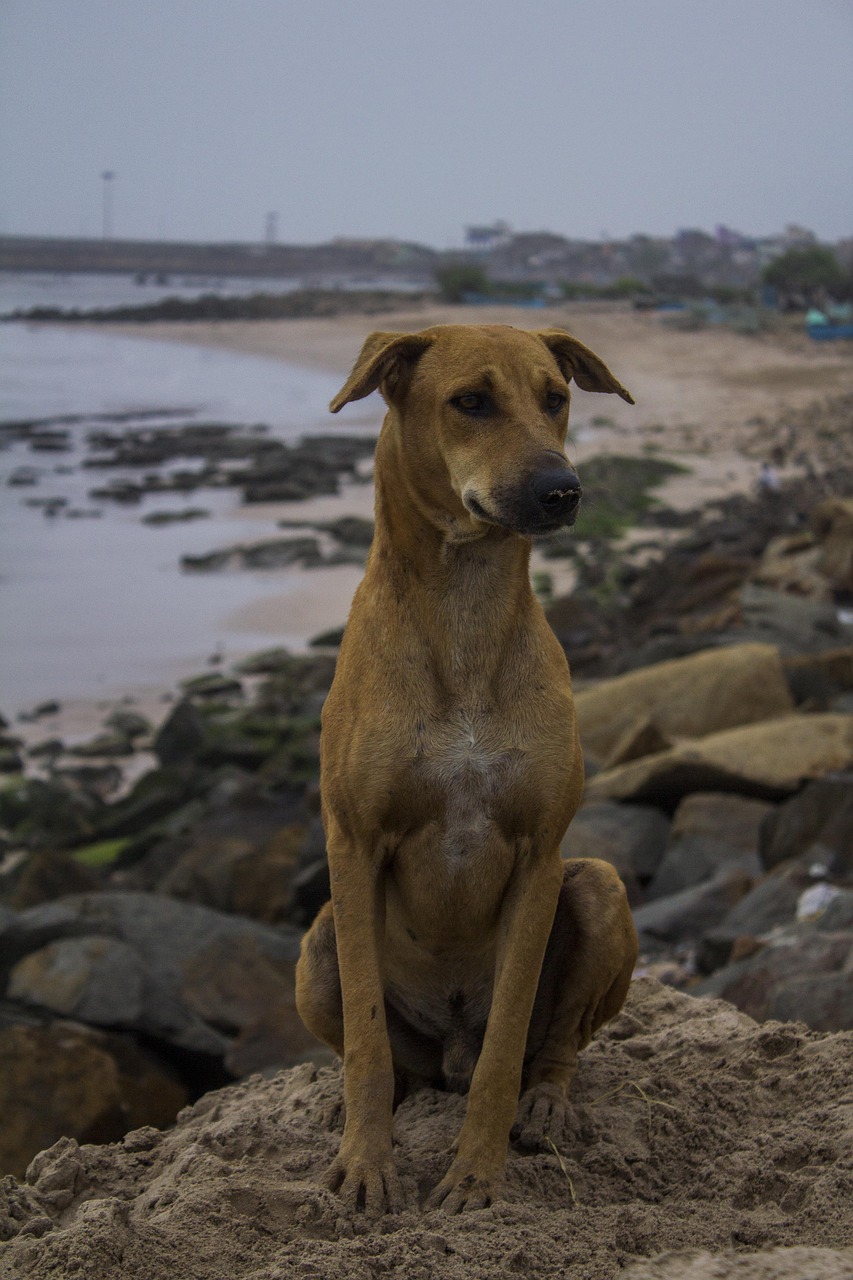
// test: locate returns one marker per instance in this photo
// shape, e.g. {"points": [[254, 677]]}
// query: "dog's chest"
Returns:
{"points": [[470, 771]]}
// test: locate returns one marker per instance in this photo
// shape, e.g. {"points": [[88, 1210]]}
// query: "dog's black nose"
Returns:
{"points": [[557, 491]]}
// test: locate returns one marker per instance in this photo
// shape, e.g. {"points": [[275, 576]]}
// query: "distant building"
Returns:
{"points": [[483, 239]]}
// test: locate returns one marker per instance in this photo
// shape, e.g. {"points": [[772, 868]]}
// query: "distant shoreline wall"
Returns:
{"points": [[150, 257]]}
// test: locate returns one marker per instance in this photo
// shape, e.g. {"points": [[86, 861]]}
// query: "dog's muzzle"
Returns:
{"points": [[558, 494], [546, 500]]}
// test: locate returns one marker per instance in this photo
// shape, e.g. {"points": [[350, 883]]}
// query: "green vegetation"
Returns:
{"points": [[807, 272], [458, 279], [468, 282], [101, 854], [616, 496]]}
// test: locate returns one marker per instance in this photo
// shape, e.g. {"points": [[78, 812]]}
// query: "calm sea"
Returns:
{"points": [[89, 606]]}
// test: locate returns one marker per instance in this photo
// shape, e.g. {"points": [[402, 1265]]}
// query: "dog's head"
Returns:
{"points": [[480, 415]]}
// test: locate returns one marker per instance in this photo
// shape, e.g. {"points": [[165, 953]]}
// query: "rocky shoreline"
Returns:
{"points": [[715, 696]]}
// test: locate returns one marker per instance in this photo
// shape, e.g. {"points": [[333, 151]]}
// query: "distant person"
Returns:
{"points": [[768, 479]]}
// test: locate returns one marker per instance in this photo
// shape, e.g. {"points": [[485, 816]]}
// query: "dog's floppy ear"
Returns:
{"points": [[384, 357], [578, 362]]}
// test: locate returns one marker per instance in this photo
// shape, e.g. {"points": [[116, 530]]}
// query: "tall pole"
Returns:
{"points": [[108, 177]]}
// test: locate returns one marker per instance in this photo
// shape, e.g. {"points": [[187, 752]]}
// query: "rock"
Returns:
{"points": [[801, 975], [238, 874], [66, 1080], [726, 816], [692, 860], [794, 624], [11, 760], [131, 960], [49, 749], [820, 678], [267, 662], [157, 795], [156, 518], [767, 761], [355, 530], [838, 914], [771, 902], [103, 744], [212, 685], [645, 738], [311, 888], [682, 916], [709, 831], [630, 837], [43, 876], [279, 553], [819, 819], [790, 565], [235, 986], [330, 639], [181, 734], [687, 697], [130, 724], [832, 522], [103, 981], [42, 813]]}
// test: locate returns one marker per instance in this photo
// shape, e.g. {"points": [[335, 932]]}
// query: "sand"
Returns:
{"points": [[724, 1145]]}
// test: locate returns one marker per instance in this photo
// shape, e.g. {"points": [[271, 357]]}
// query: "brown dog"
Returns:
{"points": [[459, 949]]}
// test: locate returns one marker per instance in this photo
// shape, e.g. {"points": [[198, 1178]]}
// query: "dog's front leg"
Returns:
{"points": [[526, 921], [363, 1174]]}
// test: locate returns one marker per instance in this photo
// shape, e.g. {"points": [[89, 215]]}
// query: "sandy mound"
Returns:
{"points": [[696, 1130]]}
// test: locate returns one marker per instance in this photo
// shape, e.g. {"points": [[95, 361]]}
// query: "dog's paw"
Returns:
{"points": [[544, 1117], [462, 1188], [366, 1184]]}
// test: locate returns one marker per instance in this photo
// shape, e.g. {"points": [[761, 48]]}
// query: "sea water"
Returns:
{"points": [[91, 606]]}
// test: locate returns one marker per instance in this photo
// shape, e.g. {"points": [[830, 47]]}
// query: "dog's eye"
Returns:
{"points": [[471, 402], [555, 401]]}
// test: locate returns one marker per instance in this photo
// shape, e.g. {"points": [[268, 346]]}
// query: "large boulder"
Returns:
{"points": [[685, 697], [818, 821], [710, 830], [801, 974], [64, 1079], [769, 761], [832, 522], [681, 916], [629, 836], [132, 961]]}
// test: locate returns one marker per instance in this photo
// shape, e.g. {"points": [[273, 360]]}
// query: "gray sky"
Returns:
{"points": [[383, 117]]}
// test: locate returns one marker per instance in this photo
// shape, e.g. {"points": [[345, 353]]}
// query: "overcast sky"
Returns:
{"points": [[390, 118]]}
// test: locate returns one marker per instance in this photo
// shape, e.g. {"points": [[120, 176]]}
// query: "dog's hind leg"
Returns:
{"points": [[318, 982], [591, 953]]}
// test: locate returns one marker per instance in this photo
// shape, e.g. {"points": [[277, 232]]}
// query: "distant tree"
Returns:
{"points": [[456, 279], [805, 273]]}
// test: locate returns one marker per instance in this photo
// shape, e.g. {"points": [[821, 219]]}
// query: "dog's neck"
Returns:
{"points": [[464, 592]]}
